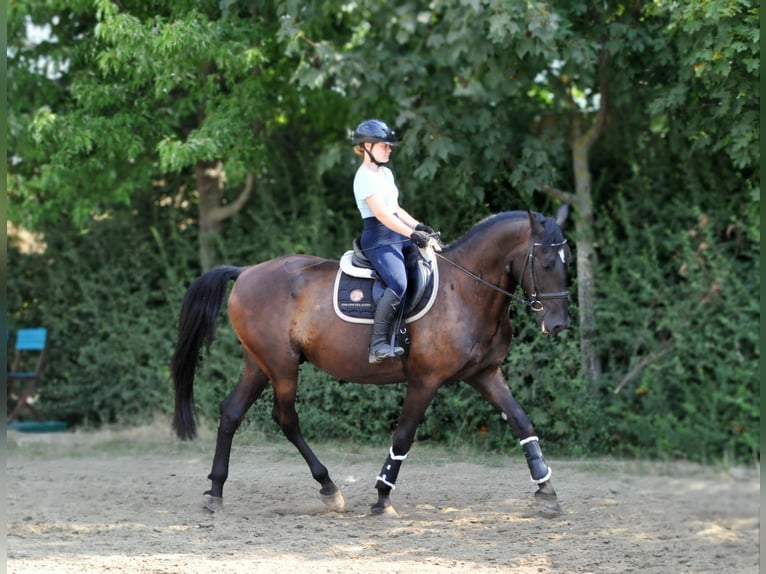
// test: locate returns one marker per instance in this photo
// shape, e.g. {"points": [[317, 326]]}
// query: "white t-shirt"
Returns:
{"points": [[381, 182]]}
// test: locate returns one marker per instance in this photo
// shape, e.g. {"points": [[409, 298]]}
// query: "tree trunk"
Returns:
{"points": [[582, 200], [586, 259], [211, 180]]}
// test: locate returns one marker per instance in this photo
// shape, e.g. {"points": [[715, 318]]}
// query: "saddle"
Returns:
{"points": [[358, 287]]}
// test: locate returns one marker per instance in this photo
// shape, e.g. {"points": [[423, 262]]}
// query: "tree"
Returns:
{"points": [[712, 102], [512, 84], [40, 60], [137, 120], [163, 98]]}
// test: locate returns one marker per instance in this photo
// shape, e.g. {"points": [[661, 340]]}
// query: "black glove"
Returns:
{"points": [[419, 238], [427, 228]]}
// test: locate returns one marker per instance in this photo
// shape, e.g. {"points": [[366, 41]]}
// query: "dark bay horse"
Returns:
{"points": [[282, 312]]}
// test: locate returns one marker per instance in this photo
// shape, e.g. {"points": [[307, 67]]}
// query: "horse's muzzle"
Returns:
{"points": [[554, 327]]}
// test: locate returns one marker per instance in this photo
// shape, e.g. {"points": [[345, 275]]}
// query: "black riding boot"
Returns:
{"points": [[380, 345]]}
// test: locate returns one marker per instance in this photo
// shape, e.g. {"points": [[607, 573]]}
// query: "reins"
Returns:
{"points": [[535, 299], [479, 278]]}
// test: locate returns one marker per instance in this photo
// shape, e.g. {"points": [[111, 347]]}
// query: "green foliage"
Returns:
{"points": [[683, 335], [109, 318], [340, 410], [717, 46], [109, 117]]}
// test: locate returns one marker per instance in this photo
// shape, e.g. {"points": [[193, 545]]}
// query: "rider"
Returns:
{"points": [[388, 228]]}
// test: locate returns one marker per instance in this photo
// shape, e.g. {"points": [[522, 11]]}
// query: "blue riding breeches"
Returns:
{"points": [[385, 249]]}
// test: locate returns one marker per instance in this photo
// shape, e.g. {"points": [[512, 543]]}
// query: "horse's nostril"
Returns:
{"points": [[556, 329]]}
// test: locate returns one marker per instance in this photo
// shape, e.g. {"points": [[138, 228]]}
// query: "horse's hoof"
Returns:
{"points": [[212, 503], [546, 498], [334, 501], [380, 510]]}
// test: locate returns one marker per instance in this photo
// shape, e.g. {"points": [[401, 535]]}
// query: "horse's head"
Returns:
{"points": [[544, 272]]}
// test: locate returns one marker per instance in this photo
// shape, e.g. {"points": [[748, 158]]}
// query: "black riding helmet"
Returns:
{"points": [[374, 131]]}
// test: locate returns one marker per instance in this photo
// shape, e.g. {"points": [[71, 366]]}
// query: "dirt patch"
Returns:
{"points": [[131, 502]]}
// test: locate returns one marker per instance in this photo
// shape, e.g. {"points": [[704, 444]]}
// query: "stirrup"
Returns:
{"points": [[391, 352]]}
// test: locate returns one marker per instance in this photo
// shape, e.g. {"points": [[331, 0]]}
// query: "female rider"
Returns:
{"points": [[388, 228]]}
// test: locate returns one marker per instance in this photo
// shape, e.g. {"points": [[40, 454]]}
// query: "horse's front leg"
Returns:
{"points": [[233, 409], [493, 387], [416, 401]]}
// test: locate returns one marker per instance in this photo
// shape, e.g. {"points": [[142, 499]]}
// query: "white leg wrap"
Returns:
{"points": [[388, 475], [547, 474], [394, 457], [384, 481], [543, 479]]}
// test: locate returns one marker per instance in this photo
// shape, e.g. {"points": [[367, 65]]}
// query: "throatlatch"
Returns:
{"points": [[390, 470], [539, 471]]}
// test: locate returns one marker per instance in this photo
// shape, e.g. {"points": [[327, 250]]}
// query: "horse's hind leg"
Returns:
{"points": [[233, 409], [285, 415]]}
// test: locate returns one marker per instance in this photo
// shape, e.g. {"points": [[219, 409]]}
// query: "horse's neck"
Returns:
{"points": [[488, 254]]}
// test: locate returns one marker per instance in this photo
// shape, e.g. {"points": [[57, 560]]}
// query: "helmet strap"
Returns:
{"points": [[372, 157]]}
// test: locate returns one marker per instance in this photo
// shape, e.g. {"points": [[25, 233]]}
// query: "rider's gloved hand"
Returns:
{"points": [[425, 228], [419, 238]]}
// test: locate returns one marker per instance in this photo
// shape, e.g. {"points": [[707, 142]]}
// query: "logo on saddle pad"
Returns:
{"points": [[358, 287]]}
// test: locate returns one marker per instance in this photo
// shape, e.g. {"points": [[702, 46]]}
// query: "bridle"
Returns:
{"points": [[535, 299]]}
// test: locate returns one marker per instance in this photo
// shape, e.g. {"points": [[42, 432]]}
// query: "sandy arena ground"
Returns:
{"points": [[130, 502]]}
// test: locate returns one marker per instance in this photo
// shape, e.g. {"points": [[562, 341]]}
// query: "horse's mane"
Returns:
{"points": [[552, 234]]}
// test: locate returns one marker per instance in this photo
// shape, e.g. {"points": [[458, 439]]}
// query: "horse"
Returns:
{"points": [[282, 312]]}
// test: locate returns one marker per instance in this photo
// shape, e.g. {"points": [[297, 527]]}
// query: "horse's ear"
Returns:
{"points": [[562, 214], [536, 226]]}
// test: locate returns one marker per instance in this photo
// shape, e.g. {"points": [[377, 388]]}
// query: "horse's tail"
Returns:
{"points": [[196, 326]]}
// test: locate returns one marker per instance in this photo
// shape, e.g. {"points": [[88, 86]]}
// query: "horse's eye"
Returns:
{"points": [[549, 260]]}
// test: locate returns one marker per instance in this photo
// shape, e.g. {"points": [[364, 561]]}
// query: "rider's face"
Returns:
{"points": [[380, 151]]}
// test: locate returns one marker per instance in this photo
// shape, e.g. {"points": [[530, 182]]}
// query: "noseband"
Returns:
{"points": [[535, 299]]}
